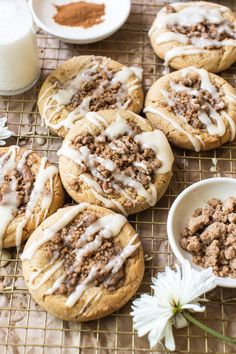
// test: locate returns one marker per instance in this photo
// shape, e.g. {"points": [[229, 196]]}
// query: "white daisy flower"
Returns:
{"points": [[5, 133], [174, 292]]}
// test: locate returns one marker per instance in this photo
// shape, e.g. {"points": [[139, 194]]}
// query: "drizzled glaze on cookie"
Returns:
{"points": [[81, 246], [94, 88], [21, 190], [196, 27], [199, 104], [120, 161]]}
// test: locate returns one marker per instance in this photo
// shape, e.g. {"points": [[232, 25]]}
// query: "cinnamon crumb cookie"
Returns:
{"points": [[83, 263], [30, 190], [88, 83], [195, 109], [196, 33], [115, 159]]}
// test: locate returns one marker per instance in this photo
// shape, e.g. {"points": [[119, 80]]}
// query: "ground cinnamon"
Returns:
{"points": [[81, 14]]}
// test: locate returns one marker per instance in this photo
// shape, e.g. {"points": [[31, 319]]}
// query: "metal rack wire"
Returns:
{"points": [[24, 327]]}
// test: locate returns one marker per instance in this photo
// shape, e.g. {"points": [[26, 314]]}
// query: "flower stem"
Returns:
{"points": [[208, 329]]}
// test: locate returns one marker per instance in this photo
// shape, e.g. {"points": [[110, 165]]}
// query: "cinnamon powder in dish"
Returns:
{"points": [[79, 14]]}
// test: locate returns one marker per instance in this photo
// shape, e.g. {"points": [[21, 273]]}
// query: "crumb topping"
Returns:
{"points": [[206, 31], [128, 156], [210, 236], [24, 180], [65, 243], [98, 88], [189, 103]]}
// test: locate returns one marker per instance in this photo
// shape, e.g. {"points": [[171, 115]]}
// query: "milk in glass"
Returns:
{"points": [[19, 63]]}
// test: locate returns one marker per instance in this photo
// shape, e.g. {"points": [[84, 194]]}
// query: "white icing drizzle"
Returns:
{"points": [[231, 98], [93, 297], [149, 196], [9, 203], [96, 119], [171, 36], [231, 124], [47, 275], [105, 227], [8, 209], [74, 297], [189, 16], [92, 118], [193, 139], [148, 140], [113, 265], [122, 76], [138, 72], [158, 143], [214, 122], [44, 175], [6, 165], [98, 193], [118, 127], [140, 164], [116, 262], [64, 96], [180, 88], [205, 79], [178, 51], [88, 248], [110, 225], [48, 233], [56, 285], [55, 102]]}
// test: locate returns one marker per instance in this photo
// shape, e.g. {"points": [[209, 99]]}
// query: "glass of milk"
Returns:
{"points": [[19, 63]]}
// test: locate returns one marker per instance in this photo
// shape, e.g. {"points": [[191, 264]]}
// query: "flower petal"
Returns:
{"points": [[195, 283], [3, 121], [194, 307], [174, 291], [180, 321], [169, 338], [4, 132], [148, 317]]}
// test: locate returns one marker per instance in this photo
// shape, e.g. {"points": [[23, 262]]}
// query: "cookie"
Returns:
{"points": [[30, 190], [88, 83], [116, 160], [83, 263], [196, 33], [195, 109]]}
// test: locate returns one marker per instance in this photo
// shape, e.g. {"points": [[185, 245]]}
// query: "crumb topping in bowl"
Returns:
{"points": [[210, 236]]}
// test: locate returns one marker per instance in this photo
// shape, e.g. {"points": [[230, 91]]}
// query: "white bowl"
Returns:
{"points": [[193, 197], [116, 13]]}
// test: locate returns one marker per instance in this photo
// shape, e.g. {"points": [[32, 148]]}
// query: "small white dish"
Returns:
{"points": [[116, 13], [193, 197]]}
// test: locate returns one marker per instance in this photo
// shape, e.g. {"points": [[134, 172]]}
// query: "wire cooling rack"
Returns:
{"points": [[24, 326]]}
